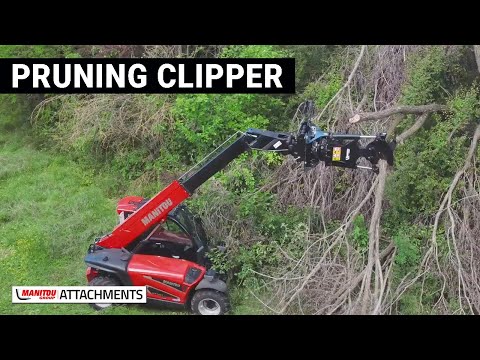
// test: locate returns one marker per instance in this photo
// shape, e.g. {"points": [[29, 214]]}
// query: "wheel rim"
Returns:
{"points": [[103, 306], [209, 307]]}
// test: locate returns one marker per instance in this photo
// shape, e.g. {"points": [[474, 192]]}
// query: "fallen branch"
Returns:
{"points": [[476, 50], [319, 263], [402, 109], [346, 290], [413, 129], [374, 239], [374, 230]]}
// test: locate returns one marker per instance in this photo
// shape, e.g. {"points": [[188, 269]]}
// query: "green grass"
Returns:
{"points": [[51, 210]]}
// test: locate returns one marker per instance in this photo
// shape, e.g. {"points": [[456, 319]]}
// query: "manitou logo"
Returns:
{"points": [[172, 284], [159, 210], [41, 294], [34, 294]]}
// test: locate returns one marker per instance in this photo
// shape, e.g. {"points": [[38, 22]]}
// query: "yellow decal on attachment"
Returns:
{"points": [[337, 152]]}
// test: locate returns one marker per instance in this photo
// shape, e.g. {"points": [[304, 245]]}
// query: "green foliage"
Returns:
{"points": [[204, 121], [131, 164], [437, 150], [220, 261], [244, 261], [254, 51], [15, 111], [420, 298], [408, 242], [323, 91], [433, 155], [465, 106], [259, 256], [426, 76], [258, 213], [37, 51], [359, 234]]}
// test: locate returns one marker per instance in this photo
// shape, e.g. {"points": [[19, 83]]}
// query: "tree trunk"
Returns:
{"points": [[476, 50]]}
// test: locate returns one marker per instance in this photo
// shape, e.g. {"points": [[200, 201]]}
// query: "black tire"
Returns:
{"points": [[210, 302], [103, 281]]}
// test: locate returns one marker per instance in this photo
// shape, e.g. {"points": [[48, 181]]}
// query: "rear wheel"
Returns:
{"points": [[210, 302], [103, 281]]}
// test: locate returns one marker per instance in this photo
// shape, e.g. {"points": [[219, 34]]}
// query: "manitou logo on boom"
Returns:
{"points": [[159, 210]]}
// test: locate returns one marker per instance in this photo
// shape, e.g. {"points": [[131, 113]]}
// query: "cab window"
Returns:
{"points": [[173, 227], [168, 240]]}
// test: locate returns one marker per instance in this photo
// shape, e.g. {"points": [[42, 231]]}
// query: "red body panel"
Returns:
{"points": [[153, 212], [150, 271], [128, 204]]}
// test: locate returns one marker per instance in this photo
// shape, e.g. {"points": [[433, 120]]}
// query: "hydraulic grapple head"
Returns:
{"points": [[342, 150], [311, 145]]}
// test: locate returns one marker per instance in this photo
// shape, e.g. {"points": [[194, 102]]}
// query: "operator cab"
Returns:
{"points": [[167, 240], [180, 236]]}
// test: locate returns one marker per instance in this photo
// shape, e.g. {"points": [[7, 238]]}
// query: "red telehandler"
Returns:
{"points": [[160, 244]]}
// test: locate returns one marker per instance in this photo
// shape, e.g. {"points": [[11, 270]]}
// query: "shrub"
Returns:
{"points": [[204, 121]]}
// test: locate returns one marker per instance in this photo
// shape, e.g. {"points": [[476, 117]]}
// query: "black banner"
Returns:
{"points": [[269, 76]]}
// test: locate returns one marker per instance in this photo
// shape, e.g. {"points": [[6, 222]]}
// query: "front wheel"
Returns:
{"points": [[102, 281], [210, 302]]}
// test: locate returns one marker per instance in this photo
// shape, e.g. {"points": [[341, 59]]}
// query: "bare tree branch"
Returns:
{"points": [[348, 288], [347, 84], [374, 239], [320, 263], [456, 179], [402, 109], [413, 129], [476, 50]]}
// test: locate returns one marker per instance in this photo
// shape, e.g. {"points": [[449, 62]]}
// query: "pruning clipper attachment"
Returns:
{"points": [[344, 150], [312, 145]]}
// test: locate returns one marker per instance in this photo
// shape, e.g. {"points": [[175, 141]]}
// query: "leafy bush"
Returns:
{"points": [[426, 76], [408, 242], [359, 234], [433, 155], [37, 51], [204, 121]]}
